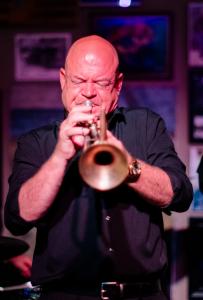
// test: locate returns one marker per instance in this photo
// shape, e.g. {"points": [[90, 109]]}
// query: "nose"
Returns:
{"points": [[89, 90]]}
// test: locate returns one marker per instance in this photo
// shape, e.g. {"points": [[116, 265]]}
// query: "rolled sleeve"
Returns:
{"points": [[27, 161], [161, 153]]}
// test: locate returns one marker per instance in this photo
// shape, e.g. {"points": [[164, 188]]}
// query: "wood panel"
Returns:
{"points": [[39, 12]]}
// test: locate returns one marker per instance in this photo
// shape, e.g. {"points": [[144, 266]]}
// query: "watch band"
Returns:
{"points": [[134, 171]]}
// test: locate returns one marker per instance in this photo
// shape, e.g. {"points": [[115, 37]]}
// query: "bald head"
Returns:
{"points": [[91, 73], [90, 47]]}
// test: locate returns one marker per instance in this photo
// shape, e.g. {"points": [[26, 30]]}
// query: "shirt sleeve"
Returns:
{"points": [[27, 161], [161, 153]]}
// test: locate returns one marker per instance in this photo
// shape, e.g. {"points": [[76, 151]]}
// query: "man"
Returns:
{"points": [[86, 237]]}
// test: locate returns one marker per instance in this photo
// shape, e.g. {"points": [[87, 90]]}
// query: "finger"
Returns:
{"points": [[26, 272], [28, 263], [78, 109], [75, 131], [110, 136], [78, 141], [77, 118]]}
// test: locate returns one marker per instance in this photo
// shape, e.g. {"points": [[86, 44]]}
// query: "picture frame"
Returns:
{"points": [[143, 43], [195, 155], [32, 105], [195, 34], [107, 3], [39, 56], [159, 98], [196, 105]]}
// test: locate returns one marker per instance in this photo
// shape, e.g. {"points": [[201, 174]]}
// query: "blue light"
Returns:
{"points": [[124, 3]]}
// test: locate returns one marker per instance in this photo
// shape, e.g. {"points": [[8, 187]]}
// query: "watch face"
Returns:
{"points": [[134, 171]]}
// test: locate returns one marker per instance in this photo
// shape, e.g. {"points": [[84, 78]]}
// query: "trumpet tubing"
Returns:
{"points": [[102, 165]]}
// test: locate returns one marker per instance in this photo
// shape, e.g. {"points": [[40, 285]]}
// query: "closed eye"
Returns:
{"points": [[104, 83], [77, 80]]}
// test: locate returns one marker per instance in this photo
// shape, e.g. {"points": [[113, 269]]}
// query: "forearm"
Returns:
{"points": [[38, 193], [154, 185]]}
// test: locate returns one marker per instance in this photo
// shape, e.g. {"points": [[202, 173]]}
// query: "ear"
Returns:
{"points": [[62, 77], [119, 82]]}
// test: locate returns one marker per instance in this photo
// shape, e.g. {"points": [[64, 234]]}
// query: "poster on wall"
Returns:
{"points": [[195, 34], [143, 43], [39, 56], [33, 105], [195, 174], [161, 99], [196, 105]]}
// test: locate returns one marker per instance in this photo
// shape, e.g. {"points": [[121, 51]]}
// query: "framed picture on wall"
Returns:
{"points": [[32, 105], [143, 43], [39, 56], [161, 99], [195, 163], [195, 34], [196, 105]]}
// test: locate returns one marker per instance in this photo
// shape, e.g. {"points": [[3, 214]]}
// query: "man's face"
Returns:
{"points": [[91, 75]]}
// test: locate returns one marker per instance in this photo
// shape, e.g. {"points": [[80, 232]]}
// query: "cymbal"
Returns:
{"points": [[11, 247]]}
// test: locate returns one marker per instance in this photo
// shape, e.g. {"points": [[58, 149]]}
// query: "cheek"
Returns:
{"points": [[68, 98], [112, 103]]}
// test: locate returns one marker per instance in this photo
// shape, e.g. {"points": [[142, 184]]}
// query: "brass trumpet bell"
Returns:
{"points": [[103, 166]]}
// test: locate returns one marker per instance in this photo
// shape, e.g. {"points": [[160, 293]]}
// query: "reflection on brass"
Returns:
{"points": [[102, 166]]}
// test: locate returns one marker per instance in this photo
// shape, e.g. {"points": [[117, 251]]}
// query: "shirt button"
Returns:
{"points": [[111, 250], [108, 218]]}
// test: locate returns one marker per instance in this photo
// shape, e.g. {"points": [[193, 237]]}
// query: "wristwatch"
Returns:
{"points": [[134, 171]]}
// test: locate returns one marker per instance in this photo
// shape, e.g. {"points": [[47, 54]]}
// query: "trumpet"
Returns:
{"points": [[102, 165]]}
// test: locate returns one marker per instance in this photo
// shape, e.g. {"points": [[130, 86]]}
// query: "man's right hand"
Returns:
{"points": [[72, 131]]}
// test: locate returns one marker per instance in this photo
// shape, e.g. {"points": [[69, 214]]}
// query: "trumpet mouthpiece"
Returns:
{"points": [[88, 103]]}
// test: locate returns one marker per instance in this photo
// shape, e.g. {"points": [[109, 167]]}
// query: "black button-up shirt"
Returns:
{"points": [[89, 235]]}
